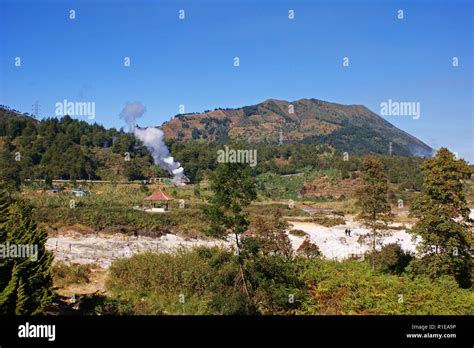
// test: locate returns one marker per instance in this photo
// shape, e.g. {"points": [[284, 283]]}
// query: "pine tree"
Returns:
{"points": [[21, 307], [9, 168], [26, 282], [4, 204], [8, 293], [375, 211], [443, 219]]}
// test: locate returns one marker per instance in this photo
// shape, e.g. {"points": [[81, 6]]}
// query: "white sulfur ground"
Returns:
{"points": [[334, 244], [102, 249]]}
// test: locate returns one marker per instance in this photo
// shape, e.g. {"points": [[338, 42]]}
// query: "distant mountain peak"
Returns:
{"points": [[306, 120]]}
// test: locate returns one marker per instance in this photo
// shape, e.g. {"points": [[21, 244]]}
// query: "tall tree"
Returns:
{"points": [[9, 168], [269, 235], [4, 206], [25, 282], [234, 189], [443, 219], [375, 211]]}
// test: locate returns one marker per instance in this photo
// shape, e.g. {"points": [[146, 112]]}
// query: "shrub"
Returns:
{"points": [[308, 249], [64, 274], [298, 233], [391, 258], [155, 283], [351, 287], [95, 304], [207, 280], [276, 288], [329, 221], [270, 236]]}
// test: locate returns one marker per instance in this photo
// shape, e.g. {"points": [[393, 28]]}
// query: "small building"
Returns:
{"points": [[165, 181], [80, 192], [157, 202]]}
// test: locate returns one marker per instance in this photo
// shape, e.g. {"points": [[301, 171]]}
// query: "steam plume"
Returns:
{"points": [[131, 112], [152, 138]]}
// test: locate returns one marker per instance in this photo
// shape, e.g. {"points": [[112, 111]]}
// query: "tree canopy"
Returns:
{"points": [[443, 219]]}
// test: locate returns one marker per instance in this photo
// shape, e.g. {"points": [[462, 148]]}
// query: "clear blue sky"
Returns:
{"points": [[190, 61]]}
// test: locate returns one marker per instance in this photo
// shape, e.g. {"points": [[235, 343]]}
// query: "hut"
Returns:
{"points": [[157, 202]]}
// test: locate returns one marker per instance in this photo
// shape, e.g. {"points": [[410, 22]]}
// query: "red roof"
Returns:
{"points": [[158, 195]]}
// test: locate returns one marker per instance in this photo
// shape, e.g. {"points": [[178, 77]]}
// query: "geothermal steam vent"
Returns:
{"points": [[152, 138]]}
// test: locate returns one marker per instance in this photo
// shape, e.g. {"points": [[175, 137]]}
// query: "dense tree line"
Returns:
{"points": [[358, 140], [64, 149], [199, 159]]}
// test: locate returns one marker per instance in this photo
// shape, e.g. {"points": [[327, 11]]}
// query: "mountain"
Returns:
{"points": [[67, 148], [352, 128]]}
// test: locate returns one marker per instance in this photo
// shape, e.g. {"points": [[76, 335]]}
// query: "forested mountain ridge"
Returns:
{"points": [[352, 128], [72, 149]]}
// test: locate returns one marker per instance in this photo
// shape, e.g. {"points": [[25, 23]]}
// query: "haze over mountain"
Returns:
{"points": [[352, 128]]}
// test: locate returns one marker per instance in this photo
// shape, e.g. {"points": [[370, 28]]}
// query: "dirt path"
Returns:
{"points": [[96, 284]]}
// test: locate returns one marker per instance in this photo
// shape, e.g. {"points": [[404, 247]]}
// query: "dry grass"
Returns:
{"points": [[65, 274]]}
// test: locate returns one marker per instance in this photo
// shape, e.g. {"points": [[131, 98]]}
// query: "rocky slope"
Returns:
{"points": [[352, 128]]}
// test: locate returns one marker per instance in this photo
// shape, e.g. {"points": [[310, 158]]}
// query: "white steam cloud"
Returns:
{"points": [[152, 138]]}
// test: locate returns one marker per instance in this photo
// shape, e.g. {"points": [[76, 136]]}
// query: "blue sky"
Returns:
{"points": [[190, 62]]}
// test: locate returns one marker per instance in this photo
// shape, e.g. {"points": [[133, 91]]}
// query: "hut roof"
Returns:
{"points": [[158, 195]]}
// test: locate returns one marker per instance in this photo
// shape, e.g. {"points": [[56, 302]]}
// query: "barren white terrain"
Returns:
{"points": [[334, 244], [102, 249]]}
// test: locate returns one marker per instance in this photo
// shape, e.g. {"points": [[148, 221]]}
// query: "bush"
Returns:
{"points": [[270, 236], [64, 275], [329, 221], [391, 258], [276, 288], [297, 233], [308, 249], [351, 287], [207, 281], [95, 304], [188, 282]]}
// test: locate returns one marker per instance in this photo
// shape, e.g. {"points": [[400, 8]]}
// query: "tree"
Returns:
{"points": [[391, 258], [443, 219], [234, 189], [25, 282], [9, 169], [375, 212], [308, 249], [270, 236], [133, 170]]}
